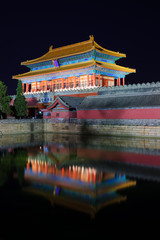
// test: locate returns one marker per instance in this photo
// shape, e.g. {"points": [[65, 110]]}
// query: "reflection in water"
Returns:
{"points": [[78, 187], [12, 163], [77, 174]]}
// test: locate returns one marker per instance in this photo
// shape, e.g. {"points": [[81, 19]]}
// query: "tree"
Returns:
{"points": [[20, 103], [4, 100]]}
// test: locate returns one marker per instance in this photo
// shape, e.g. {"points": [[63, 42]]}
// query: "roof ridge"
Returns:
{"points": [[124, 95], [62, 101], [70, 45]]}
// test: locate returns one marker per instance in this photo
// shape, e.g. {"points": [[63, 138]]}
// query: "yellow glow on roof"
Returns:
{"points": [[72, 49]]}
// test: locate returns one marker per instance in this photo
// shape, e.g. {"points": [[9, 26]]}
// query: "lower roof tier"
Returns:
{"points": [[89, 67]]}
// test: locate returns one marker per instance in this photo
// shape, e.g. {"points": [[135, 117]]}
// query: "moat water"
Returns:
{"points": [[73, 186]]}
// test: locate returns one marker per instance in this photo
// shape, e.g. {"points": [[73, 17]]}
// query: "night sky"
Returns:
{"points": [[28, 31]]}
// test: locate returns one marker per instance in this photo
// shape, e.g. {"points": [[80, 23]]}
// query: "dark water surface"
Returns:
{"points": [[54, 186]]}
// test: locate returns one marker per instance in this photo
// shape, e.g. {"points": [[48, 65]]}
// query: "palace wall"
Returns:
{"points": [[48, 97], [9, 127], [63, 114], [125, 122], [141, 113]]}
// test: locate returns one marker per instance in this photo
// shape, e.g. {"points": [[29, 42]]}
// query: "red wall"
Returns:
{"points": [[46, 117], [66, 114], [151, 113]]}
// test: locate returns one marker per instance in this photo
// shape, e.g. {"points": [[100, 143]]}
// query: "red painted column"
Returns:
{"points": [[88, 176], [94, 177], [118, 81], [67, 82], [62, 83], [87, 80], [36, 167], [55, 84], [74, 82], [46, 168], [36, 86], [94, 79], [123, 81], [28, 166], [23, 87], [45, 86], [79, 82], [27, 87], [99, 80], [63, 172], [51, 86], [75, 173]]}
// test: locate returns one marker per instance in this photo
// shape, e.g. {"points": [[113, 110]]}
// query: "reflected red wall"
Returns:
{"points": [[124, 157]]}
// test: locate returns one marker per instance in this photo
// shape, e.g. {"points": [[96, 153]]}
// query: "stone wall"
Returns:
{"points": [[110, 130], [116, 130], [130, 89], [8, 127], [15, 126]]}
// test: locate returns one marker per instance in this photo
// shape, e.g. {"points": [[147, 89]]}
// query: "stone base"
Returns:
{"points": [[8, 127]]}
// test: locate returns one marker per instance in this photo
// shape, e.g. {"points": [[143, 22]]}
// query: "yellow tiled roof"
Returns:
{"points": [[72, 49], [74, 66], [115, 67]]}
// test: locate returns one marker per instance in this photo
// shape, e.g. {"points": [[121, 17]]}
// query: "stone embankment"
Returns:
{"points": [[14, 126], [17, 126]]}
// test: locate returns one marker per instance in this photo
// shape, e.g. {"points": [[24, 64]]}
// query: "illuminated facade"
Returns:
{"points": [[82, 67]]}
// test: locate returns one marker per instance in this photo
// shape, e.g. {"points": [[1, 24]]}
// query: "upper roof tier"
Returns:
{"points": [[73, 49]]}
